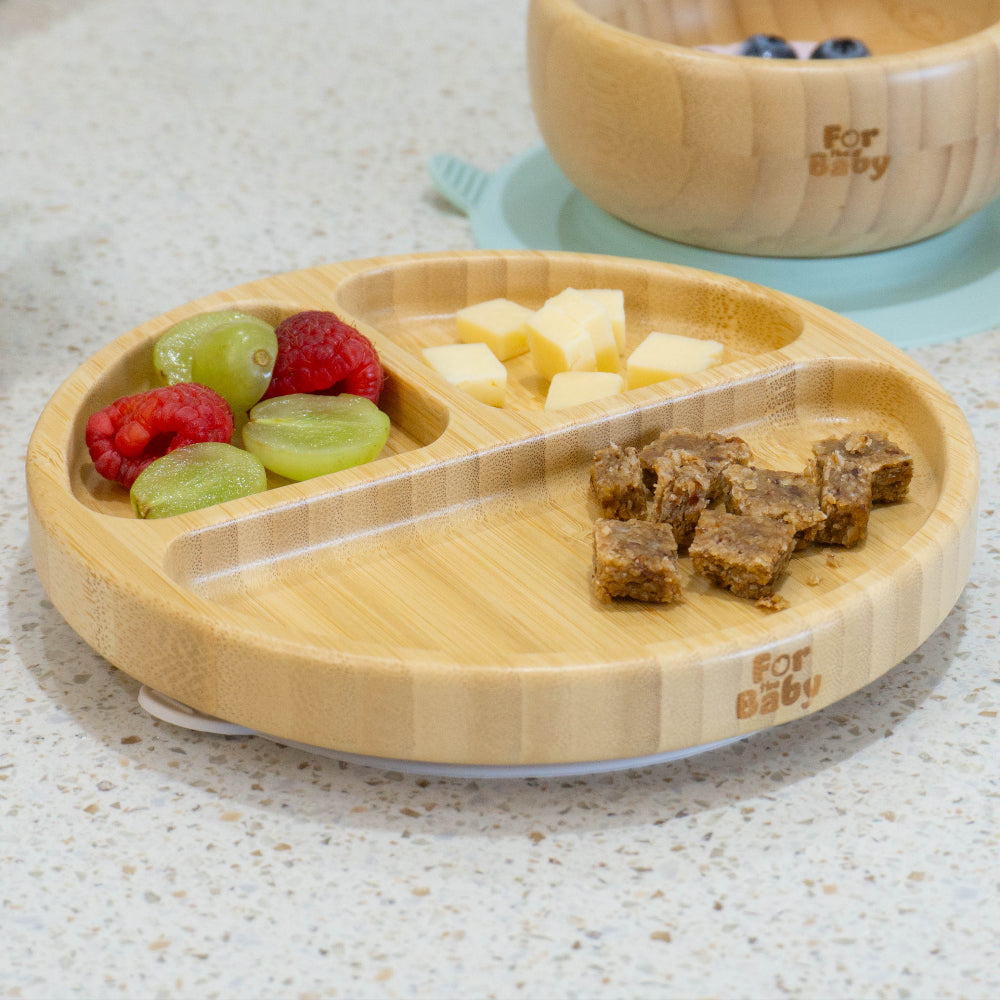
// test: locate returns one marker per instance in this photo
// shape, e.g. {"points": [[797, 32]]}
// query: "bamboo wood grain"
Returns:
{"points": [[435, 604], [792, 158]]}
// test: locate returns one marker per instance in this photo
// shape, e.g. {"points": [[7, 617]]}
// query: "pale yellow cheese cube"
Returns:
{"points": [[558, 343], [498, 323], [613, 299], [666, 355], [570, 388], [593, 316], [473, 368]]}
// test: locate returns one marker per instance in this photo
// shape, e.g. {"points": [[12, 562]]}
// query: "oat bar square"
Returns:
{"points": [[617, 482], [890, 467], [845, 497], [716, 450], [681, 493], [745, 553], [635, 559], [792, 497]]}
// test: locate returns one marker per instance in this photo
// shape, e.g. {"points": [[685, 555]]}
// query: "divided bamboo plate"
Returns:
{"points": [[435, 605]]}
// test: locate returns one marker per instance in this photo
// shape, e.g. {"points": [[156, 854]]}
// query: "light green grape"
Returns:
{"points": [[196, 476], [301, 436], [236, 360], [172, 351]]}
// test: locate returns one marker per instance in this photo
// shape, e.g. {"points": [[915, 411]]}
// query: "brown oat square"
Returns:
{"points": [[791, 497], [681, 493], [845, 496], [635, 559], [716, 450], [890, 467], [617, 482], [745, 553]]}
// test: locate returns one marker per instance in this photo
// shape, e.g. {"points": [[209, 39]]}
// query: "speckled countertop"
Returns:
{"points": [[154, 153]]}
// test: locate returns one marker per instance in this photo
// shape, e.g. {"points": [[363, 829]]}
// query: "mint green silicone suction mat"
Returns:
{"points": [[942, 288]]}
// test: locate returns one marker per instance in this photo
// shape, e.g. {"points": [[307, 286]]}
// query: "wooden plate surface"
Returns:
{"points": [[435, 605]]}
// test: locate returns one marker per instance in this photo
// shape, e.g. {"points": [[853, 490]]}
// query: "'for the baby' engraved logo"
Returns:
{"points": [[779, 682], [848, 151]]}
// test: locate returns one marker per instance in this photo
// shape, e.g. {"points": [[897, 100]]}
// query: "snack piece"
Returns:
{"points": [[174, 348], [681, 493], [236, 359], [845, 497], [613, 300], [791, 497], [196, 476], [473, 368], [558, 343], [318, 352], [303, 435], [667, 355], [593, 316], [635, 559], [891, 468], [128, 435], [767, 47], [570, 388], [498, 323], [616, 481], [743, 553], [717, 451]]}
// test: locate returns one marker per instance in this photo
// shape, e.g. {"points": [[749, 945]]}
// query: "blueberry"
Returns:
{"points": [[840, 48], [767, 47]]}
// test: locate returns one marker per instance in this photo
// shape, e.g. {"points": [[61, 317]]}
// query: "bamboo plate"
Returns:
{"points": [[435, 605]]}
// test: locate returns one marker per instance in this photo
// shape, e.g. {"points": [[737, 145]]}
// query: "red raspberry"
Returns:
{"points": [[317, 352], [126, 436]]}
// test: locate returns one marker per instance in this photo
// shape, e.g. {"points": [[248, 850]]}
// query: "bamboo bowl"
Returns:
{"points": [[788, 158], [435, 604]]}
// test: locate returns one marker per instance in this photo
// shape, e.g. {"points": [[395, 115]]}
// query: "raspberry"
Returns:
{"points": [[126, 436], [317, 352]]}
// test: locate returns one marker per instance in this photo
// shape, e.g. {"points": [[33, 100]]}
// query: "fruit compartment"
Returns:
{"points": [[413, 304], [126, 367], [509, 529]]}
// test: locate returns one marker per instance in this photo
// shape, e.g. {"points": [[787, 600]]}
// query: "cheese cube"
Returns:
{"points": [[473, 368], [558, 343], [570, 388], [498, 323], [666, 355], [593, 316], [613, 299]]}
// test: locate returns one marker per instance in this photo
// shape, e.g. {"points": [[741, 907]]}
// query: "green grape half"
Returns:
{"points": [[236, 360], [173, 349], [302, 435], [196, 476]]}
